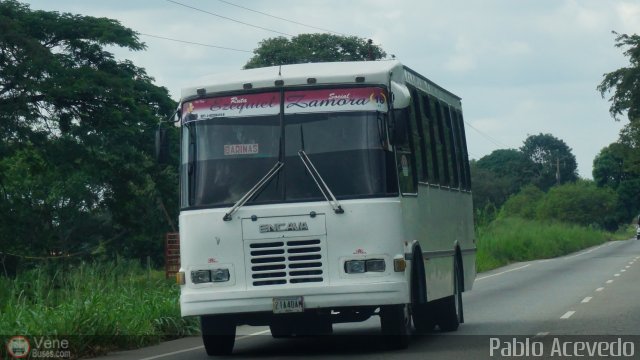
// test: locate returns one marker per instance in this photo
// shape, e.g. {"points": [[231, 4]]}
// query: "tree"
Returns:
{"points": [[550, 154], [624, 82], [617, 167], [510, 164], [611, 165], [306, 48], [76, 137]]}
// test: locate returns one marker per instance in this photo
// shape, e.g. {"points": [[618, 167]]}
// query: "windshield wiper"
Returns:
{"points": [[274, 170], [324, 189]]}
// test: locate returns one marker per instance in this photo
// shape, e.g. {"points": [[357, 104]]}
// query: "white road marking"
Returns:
{"points": [[600, 289], [254, 334], [628, 266], [173, 353], [567, 314], [609, 281], [504, 272], [587, 299], [588, 251], [541, 334], [623, 270], [616, 274], [199, 347]]}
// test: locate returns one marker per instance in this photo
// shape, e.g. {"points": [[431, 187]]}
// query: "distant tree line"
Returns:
{"points": [[539, 180]]}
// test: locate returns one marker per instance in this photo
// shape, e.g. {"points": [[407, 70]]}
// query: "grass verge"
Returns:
{"points": [[508, 240], [97, 306]]}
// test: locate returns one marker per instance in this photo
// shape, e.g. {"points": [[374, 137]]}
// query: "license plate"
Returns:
{"points": [[285, 305]]}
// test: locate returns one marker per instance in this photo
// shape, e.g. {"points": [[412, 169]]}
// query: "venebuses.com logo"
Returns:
{"points": [[20, 347]]}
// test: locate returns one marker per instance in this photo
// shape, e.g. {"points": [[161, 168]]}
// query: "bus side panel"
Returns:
{"points": [[439, 219]]}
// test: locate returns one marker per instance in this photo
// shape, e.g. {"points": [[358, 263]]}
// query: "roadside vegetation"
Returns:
{"points": [[97, 307], [512, 239]]}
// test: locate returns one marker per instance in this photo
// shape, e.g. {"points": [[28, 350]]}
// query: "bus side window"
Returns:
{"points": [[417, 132], [452, 147], [458, 142], [404, 154], [465, 153], [442, 145], [430, 127]]}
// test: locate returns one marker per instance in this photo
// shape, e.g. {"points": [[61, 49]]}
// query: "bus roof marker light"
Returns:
{"points": [[279, 82], [201, 91], [247, 86], [360, 79], [311, 80]]}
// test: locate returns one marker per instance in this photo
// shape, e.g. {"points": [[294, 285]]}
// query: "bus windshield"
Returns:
{"points": [[222, 158]]}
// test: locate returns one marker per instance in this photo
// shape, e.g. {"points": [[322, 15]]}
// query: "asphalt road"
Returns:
{"points": [[587, 297]]}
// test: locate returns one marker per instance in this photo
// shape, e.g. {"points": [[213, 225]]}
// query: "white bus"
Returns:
{"points": [[316, 194]]}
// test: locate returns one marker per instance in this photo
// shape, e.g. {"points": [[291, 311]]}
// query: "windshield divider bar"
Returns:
{"points": [[274, 170], [335, 205]]}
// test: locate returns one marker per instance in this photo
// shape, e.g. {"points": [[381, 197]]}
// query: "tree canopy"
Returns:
{"points": [[550, 154], [76, 137], [624, 82], [306, 48]]}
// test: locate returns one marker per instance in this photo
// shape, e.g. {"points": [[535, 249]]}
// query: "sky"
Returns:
{"points": [[521, 67]]}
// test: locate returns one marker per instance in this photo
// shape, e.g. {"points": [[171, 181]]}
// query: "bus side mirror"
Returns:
{"points": [[162, 146]]}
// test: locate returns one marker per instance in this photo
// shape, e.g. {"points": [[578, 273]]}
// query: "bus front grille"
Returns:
{"points": [[278, 262]]}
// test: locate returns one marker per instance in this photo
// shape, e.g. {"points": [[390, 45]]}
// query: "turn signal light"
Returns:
{"points": [[180, 279]]}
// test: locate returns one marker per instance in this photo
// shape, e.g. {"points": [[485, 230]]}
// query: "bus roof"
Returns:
{"points": [[374, 72]]}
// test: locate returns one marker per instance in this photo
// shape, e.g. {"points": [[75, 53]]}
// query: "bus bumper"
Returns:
{"points": [[214, 301]]}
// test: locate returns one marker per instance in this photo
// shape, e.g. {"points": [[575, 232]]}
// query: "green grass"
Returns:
{"points": [[508, 240], [100, 306]]}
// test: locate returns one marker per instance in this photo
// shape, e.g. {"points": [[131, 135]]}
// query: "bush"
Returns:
{"points": [[581, 203], [523, 204]]}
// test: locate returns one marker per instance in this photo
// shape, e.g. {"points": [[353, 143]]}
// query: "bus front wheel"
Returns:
{"points": [[218, 334], [395, 321]]}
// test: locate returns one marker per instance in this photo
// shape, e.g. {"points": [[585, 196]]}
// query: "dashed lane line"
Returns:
{"points": [[587, 299], [567, 315]]}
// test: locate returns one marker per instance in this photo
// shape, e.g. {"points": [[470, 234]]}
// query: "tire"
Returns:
{"points": [[449, 312], [281, 330], [423, 320], [395, 321], [218, 334], [421, 313]]}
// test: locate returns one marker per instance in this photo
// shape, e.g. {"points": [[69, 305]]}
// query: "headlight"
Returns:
{"points": [[219, 275], [200, 276], [354, 267], [375, 265], [213, 275]]}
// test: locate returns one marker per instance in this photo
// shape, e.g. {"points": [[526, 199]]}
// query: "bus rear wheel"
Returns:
{"points": [[449, 314], [218, 334], [395, 321]]}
